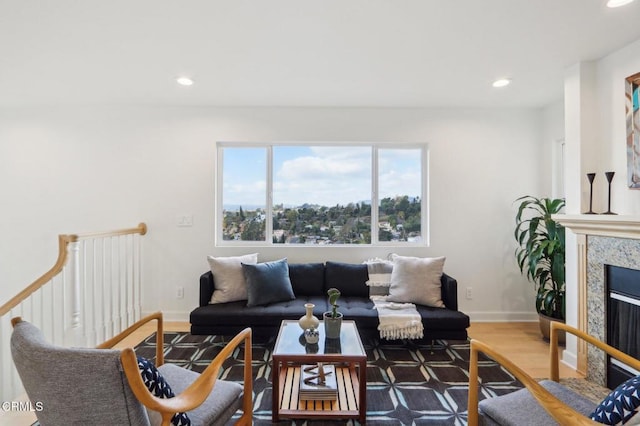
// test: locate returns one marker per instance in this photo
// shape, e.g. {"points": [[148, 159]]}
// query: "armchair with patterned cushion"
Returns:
{"points": [[105, 386], [548, 402]]}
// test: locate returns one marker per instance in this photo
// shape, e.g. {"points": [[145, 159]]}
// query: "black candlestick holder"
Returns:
{"points": [[609, 176], [591, 177]]}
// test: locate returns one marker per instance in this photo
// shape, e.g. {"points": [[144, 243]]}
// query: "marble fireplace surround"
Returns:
{"points": [[601, 239]]}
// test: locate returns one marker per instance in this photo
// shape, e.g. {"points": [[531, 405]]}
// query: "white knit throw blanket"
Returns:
{"points": [[398, 320]]}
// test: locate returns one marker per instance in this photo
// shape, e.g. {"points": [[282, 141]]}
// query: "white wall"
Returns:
{"points": [[611, 74], [66, 170], [551, 158], [596, 140], [596, 118]]}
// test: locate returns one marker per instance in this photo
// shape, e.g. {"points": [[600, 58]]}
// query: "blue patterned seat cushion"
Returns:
{"points": [[159, 387], [620, 405]]}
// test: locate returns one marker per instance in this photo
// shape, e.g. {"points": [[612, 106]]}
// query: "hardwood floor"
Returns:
{"points": [[144, 331], [519, 341], [522, 343]]}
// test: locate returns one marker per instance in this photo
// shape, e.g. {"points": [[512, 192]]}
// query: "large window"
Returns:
{"points": [[321, 194]]}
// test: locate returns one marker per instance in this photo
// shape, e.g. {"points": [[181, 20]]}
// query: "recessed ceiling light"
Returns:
{"points": [[617, 3], [184, 81], [502, 82]]}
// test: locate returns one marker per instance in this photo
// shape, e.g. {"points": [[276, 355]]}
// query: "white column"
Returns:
{"points": [[581, 133]]}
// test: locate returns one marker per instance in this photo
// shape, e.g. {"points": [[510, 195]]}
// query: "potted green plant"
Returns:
{"points": [[541, 255], [333, 318]]}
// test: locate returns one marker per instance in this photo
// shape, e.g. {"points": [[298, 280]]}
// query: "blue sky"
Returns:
{"points": [[324, 175]]}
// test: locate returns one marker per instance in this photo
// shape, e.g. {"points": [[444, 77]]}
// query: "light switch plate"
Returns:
{"points": [[184, 220]]}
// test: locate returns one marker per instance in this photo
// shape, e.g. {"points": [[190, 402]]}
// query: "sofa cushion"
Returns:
{"points": [[417, 280], [307, 279], [228, 277], [359, 309], [349, 278], [265, 316], [223, 401], [442, 319], [267, 282]]}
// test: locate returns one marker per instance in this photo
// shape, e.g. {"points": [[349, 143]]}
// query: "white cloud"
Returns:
{"points": [[395, 183], [326, 175], [320, 168], [332, 175], [242, 193]]}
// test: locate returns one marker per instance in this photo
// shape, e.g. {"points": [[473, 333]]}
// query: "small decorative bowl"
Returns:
{"points": [[311, 335]]}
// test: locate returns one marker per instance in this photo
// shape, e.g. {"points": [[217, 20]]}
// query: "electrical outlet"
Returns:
{"points": [[469, 293], [180, 292]]}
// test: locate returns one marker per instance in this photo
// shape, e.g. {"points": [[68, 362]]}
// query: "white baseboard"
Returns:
{"points": [[570, 358]]}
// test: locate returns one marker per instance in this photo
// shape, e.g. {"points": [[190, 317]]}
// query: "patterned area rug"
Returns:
{"points": [[407, 383]]}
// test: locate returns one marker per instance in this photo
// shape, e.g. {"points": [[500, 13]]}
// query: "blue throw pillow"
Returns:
{"points": [[159, 387], [620, 405], [268, 282]]}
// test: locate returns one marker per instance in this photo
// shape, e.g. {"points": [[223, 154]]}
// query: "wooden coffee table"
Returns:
{"points": [[349, 358]]}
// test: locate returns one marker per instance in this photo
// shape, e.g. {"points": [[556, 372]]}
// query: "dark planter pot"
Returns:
{"points": [[545, 328], [332, 325]]}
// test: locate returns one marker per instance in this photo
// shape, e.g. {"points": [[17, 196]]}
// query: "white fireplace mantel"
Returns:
{"points": [[621, 226]]}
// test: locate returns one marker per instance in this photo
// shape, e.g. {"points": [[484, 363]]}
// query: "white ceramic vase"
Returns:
{"points": [[308, 320]]}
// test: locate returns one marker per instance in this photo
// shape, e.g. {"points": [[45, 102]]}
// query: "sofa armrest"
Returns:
{"points": [[206, 288], [449, 292]]}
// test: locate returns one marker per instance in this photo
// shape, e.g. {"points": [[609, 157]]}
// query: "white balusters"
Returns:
{"points": [[92, 293], [76, 294]]}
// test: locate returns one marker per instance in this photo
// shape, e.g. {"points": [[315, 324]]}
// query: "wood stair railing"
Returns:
{"points": [[92, 292]]}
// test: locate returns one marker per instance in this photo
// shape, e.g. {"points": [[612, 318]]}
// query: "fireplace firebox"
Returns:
{"points": [[623, 320]]}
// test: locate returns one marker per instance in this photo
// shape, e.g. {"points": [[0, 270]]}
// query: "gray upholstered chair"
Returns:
{"points": [[104, 386], [538, 403]]}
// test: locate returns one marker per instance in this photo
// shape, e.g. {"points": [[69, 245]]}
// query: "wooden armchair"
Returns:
{"points": [[103, 385], [541, 403]]}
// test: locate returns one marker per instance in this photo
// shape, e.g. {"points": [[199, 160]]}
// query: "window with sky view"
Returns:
{"points": [[321, 195]]}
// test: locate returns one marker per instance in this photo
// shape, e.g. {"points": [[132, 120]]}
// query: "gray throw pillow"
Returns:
{"points": [[268, 282], [228, 278], [417, 280]]}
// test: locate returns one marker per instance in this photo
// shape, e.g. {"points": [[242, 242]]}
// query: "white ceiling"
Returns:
{"points": [[378, 53]]}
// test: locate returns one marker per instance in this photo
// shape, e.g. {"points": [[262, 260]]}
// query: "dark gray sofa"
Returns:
{"points": [[310, 282]]}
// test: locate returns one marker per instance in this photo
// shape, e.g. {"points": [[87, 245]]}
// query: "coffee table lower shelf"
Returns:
{"points": [[346, 406]]}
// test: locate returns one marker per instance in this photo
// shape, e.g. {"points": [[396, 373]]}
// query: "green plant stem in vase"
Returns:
{"points": [[333, 318]]}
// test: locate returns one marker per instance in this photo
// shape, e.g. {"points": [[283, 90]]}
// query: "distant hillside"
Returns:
{"points": [[399, 220]]}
